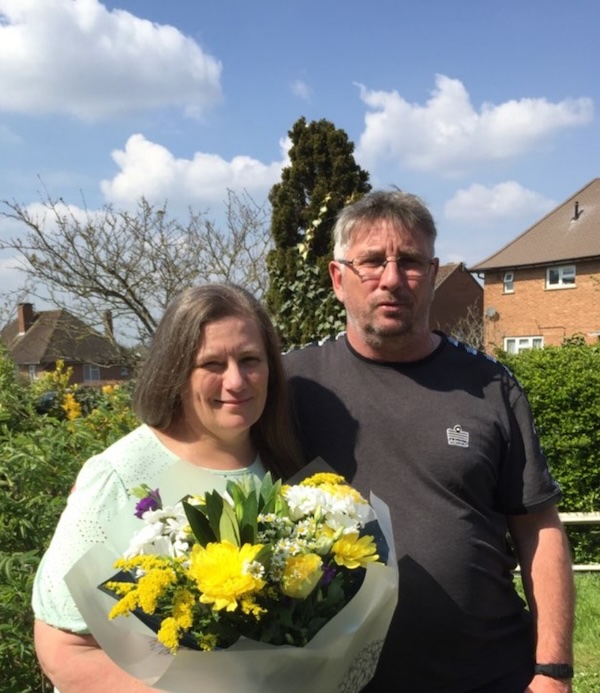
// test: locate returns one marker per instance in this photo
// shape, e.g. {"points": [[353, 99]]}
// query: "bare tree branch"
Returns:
{"points": [[133, 264]]}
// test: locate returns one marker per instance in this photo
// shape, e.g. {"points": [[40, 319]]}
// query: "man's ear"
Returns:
{"points": [[335, 272]]}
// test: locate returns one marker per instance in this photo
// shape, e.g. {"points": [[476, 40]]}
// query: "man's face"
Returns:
{"points": [[392, 310]]}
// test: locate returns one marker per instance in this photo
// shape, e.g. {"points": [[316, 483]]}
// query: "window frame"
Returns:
{"points": [[89, 370], [508, 285], [523, 343], [567, 277]]}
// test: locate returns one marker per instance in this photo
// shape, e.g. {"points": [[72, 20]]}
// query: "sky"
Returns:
{"points": [[486, 110]]}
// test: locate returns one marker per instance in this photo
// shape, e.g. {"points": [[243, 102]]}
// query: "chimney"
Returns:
{"points": [[24, 316], [108, 323]]}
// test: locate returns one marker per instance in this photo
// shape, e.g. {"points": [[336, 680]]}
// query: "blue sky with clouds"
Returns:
{"points": [[488, 111]]}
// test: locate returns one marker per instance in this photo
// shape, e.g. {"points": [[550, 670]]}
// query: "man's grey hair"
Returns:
{"points": [[395, 206]]}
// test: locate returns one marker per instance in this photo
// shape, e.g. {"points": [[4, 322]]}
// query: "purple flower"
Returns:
{"points": [[329, 572], [152, 501]]}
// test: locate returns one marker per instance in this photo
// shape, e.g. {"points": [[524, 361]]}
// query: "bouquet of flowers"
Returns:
{"points": [[268, 562], [252, 585]]}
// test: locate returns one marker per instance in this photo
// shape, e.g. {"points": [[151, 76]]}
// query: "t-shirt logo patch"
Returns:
{"points": [[456, 436]]}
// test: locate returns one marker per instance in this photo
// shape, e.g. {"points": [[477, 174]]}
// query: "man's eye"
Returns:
{"points": [[370, 262]]}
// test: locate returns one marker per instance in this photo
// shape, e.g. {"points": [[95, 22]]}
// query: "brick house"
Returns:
{"points": [[458, 298], [37, 340], [544, 285]]}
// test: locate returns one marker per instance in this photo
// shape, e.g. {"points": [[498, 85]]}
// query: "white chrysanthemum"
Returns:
{"points": [[342, 522], [336, 506], [143, 539], [304, 500], [164, 534]]}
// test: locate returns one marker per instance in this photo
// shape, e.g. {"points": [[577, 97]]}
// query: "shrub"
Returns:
{"points": [[39, 460], [563, 387]]}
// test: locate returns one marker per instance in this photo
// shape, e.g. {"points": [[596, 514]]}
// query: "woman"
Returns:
{"points": [[211, 392]]}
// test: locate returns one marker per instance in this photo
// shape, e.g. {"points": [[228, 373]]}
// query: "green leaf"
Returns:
{"points": [[199, 524], [213, 508], [229, 529], [248, 524]]}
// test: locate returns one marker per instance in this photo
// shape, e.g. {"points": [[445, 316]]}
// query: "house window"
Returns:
{"points": [[509, 282], [560, 277], [513, 345], [32, 370], [91, 373]]}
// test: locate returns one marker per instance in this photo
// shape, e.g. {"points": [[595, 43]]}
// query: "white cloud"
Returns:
{"points": [[301, 89], [76, 57], [484, 206], [150, 170], [449, 136]]}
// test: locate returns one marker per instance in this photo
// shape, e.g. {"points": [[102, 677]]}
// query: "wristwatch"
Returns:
{"points": [[555, 671]]}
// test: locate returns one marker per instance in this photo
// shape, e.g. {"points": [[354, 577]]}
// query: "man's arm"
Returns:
{"points": [[546, 571], [76, 663]]}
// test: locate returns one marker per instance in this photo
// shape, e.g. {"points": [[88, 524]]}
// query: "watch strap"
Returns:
{"points": [[555, 671]]}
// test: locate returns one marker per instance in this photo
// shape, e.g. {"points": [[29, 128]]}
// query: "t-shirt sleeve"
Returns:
{"points": [[526, 483], [98, 494]]}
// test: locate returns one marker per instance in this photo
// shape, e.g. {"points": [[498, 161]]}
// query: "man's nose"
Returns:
{"points": [[391, 275]]}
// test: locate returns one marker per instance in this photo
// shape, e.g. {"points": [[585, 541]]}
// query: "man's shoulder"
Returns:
{"points": [[462, 357], [471, 354], [315, 349]]}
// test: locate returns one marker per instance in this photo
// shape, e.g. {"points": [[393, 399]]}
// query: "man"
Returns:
{"points": [[444, 435]]}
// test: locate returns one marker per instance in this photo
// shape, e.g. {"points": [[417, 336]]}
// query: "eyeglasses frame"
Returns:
{"points": [[384, 264]]}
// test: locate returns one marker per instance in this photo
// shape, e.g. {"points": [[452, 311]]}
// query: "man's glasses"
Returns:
{"points": [[372, 266]]}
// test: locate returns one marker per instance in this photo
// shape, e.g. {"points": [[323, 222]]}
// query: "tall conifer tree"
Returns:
{"points": [[322, 177]]}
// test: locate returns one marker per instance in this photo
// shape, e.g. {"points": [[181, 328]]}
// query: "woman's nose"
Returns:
{"points": [[233, 378]]}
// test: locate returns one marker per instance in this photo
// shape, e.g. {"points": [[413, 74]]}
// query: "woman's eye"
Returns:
{"points": [[210, 365]]}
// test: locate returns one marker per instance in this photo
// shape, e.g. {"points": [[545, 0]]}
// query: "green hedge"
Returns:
{"points": [[563, 387]]}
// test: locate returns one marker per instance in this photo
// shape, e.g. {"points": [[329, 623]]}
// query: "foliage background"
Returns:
{"points": [[40, 455], [563, 388]]}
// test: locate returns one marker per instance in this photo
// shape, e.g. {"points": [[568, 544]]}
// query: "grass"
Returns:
{"points": [[587, 633]]}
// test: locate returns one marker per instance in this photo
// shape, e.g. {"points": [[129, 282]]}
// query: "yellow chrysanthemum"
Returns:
{"points": [[223, 575], [301, 574], [352, 551], [321, 478]]}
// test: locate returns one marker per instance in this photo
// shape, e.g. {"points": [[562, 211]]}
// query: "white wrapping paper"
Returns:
{"points": [[341, 658]]}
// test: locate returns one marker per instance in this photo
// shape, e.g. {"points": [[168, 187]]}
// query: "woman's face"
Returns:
{"points": [[227, 389]]}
